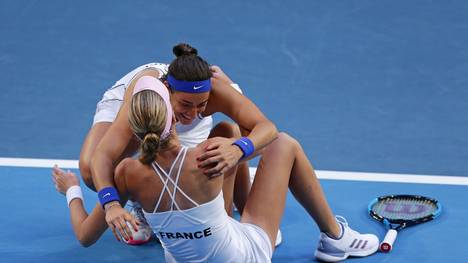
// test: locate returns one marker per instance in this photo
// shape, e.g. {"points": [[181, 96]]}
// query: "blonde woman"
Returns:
{"points": [[110, 138], [198, 90], [185, 208]]}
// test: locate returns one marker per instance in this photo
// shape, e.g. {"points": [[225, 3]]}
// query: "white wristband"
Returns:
{"points": [[236, 87], [74, 192]]}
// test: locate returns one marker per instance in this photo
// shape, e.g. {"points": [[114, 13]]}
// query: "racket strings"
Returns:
{"points": [[404, 208]]}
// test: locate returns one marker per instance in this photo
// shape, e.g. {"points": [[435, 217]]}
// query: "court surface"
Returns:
{"points": [[376, 90]]}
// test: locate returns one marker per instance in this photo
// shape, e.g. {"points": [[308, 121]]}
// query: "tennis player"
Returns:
{"points": [[184, 207], [193, 109]]}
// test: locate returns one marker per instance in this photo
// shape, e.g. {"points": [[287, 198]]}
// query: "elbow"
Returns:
{"points": [[86, 241], [85, 244]]}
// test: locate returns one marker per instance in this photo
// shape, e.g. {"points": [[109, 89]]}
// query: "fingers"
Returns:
{"points": [[57, 171], [215, 68], [120, 229], [216, 171], [133, 221], [208, 154], [121, 223], [54, 179], [64, 179], [212, 146], [204, 158], [123, 229], [111, 226], [57, 183], [215, 175]]}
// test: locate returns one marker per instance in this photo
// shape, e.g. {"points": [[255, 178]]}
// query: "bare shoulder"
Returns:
{"points": [[127, 167], [224, 98]]}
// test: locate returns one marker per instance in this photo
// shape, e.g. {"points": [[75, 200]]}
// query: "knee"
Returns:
{"points": [[226, 129], [85, 171], [287, 142]]}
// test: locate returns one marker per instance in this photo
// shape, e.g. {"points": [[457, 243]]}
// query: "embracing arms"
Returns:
{"points": [[252, 122], [109, 152]]}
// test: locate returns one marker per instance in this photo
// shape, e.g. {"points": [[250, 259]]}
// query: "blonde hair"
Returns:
{"points": [[147, 116]]}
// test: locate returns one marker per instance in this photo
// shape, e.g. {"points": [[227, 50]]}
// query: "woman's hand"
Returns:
{"points": [[120, 221], [63, 180], [219, 77], [220, 155]]}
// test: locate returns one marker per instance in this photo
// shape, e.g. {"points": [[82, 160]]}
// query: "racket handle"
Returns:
{"points": [[387, 244]]}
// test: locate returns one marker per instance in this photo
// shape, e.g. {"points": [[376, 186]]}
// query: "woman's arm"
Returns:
{"points": [[107, 155], [111, 147], [253, 123], [87, 229]]}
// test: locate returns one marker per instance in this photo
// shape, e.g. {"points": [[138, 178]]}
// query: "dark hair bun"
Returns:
{"points": [[184, 49]]}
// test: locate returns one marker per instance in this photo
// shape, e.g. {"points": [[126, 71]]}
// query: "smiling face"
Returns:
{"points": [[187, 79], [187, 106]]}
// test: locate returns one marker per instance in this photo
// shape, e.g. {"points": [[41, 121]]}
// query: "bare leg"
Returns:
{"points": [[306, 188], [230, 192], [242, 186], [92, 140], [284, 164]]}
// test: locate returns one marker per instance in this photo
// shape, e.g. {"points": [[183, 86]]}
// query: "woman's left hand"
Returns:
{"points": [[63, 180], [219, 77], [220, 155]]}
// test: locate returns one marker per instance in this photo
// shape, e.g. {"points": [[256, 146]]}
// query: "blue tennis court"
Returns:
{"points": [[374, 90]]}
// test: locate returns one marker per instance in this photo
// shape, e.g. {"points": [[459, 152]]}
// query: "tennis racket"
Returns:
{"points": [[399, 211]]}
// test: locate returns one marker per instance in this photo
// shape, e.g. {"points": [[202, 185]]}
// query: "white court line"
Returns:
{"points": [[328, 175], [38, 163]]}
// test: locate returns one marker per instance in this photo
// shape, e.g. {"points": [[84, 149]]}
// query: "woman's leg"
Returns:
{"points": [[92, 140], [228, 190], [234, 188], [284, 164], [242, 186]]}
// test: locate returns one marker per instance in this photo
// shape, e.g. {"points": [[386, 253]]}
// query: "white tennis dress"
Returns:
{"points": [[107, 108], [204, 232]]}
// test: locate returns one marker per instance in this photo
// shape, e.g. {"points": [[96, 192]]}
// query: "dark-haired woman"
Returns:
{"points": [[197, 92], [185, 208]]}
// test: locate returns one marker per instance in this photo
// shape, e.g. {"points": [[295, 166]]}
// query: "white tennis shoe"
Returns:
{"points": [[144, 233], [351, 244]]}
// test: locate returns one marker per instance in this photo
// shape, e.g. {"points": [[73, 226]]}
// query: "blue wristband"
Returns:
{"points": [[246, 146], [108, 194]]}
